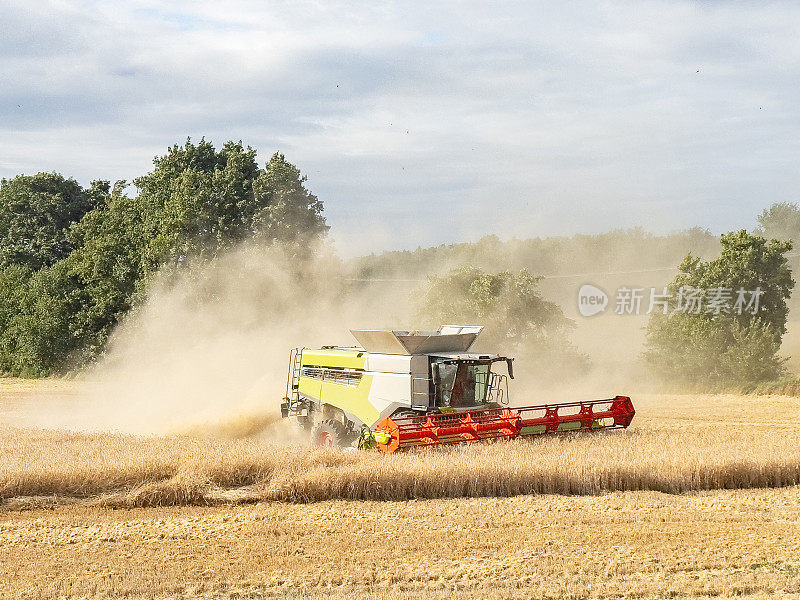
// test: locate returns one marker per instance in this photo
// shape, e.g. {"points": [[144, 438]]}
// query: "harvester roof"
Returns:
{"points": [[448, 338]]}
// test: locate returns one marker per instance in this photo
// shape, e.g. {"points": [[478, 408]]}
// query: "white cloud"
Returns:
{"points": [[432, 122]]}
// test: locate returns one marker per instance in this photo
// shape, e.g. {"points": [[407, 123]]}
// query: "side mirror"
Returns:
{"points": [[510, 366]]}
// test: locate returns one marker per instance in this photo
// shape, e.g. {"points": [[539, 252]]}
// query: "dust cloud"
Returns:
{"points": [[211, 344], [207, 352]]}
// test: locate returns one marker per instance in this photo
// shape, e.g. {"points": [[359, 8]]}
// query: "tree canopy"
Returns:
{"points": [[725, 317], [74, 261], [781, 221], [510, 306], [36, 213]]}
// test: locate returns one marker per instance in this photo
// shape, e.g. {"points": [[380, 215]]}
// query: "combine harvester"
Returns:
{"points": [[401, 389]]}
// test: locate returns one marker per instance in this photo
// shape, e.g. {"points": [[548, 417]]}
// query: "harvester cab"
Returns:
{"points": [[399, 389]]}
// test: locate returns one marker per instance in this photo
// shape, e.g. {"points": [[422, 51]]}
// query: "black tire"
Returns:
{"points": [[331, 434]]}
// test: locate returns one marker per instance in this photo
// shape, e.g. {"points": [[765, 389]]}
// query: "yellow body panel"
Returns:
{"points": [[345, 359], [310, 387], [352, 400]]}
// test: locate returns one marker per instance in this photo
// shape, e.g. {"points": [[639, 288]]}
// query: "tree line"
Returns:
{"points": [[617, 250], [75, 260], [719, 326]]}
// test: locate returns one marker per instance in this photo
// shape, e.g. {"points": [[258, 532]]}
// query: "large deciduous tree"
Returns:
{"points": [[283, 209], [724, 345], [781, 221], [77, 260], [36, 213], [515, 316]]}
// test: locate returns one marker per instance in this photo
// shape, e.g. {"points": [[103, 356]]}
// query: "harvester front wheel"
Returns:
{"points": [[330, 434]]}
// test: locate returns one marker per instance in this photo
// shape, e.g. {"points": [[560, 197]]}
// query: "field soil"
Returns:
{"points": [[722, 544], [228, 512]]}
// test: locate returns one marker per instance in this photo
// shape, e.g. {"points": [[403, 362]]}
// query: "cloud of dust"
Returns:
{"points": [[207, 352], [614, 343], [212, 345]]}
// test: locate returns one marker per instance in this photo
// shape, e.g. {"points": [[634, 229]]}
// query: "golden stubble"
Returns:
{"points": [[676, 444]]}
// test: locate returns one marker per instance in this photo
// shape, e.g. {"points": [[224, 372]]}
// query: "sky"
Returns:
{"points": [[421, 123]]}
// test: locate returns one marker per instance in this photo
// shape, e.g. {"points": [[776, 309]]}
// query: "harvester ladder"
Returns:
{"points": [[293, 380]]}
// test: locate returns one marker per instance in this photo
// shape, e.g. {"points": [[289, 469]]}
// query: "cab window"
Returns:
{"points": [[462, 385]]}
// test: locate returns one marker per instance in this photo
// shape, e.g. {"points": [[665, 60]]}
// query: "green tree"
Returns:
{"points": [[781, 221], [283, 209], [728, 346], [107, 265], [98, 249], [195, 202], [510, 307], [13, 287], [194, 205], [44, 333], [746, 262], [36, 213]]}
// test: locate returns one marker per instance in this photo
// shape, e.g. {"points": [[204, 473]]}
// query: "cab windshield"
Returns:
{"points": [[461, 385]]}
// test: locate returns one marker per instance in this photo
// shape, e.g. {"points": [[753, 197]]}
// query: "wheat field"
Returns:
{"points": [[223, 511], [721, 544], [676, 444]]}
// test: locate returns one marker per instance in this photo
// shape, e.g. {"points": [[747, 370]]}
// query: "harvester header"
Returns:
{"points": [[399, 389]]}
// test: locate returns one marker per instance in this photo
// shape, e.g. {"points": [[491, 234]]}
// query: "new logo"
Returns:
{"points": [[591, 300]]}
